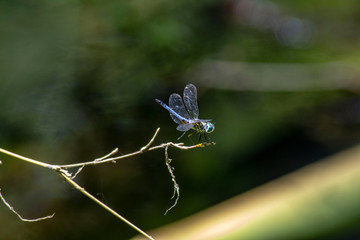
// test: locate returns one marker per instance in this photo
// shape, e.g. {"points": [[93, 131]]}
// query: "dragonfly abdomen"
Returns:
{"points": [[182, 119]]}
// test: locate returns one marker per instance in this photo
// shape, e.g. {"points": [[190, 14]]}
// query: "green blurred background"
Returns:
{"points": [[280, 80]]}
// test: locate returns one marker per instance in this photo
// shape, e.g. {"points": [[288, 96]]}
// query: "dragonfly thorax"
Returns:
{"points": [[201, 126]]}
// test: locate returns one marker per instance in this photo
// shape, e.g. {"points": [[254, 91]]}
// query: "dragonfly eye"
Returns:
{"points": [[209, 127]]}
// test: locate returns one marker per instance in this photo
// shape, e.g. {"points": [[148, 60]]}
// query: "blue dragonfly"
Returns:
{"points": [[185, 112]]}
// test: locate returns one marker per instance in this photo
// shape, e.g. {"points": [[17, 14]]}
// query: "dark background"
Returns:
{"points": [[280, 80]]}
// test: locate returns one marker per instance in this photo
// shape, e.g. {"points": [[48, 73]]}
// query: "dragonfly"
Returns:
{"points": [[185, 112]]}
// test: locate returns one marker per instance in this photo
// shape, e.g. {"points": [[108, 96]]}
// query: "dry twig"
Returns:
{"points": [[63, 171], [23, 219]]}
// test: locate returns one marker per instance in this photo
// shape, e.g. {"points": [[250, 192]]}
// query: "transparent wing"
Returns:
{"points": [[190, 100], [184, 127], [177, 104]]}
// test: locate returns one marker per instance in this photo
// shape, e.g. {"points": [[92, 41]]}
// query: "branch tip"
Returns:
{"points": [[146, 147]]}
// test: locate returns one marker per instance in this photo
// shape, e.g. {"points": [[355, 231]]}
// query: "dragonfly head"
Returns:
{"points": [[209, 127]]}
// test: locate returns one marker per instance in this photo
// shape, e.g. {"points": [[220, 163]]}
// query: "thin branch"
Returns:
{"points": [[77, 172], [176, 186], [143, 149], [82, 190], [116, 150], [42, 164], [105, 159], [63, 170], [21, 218]]}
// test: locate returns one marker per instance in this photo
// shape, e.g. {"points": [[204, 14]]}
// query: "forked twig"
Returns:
{"points": [[63, 171]]}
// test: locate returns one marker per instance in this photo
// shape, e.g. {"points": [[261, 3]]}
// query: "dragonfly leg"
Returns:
{"points": [[189, 136], [208, 139], [204, 137], [181, 135]]}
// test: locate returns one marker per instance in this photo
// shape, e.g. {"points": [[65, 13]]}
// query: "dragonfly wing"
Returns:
{"points": [[190, 100], [205, 120], [184, 127], [177, 104]]}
